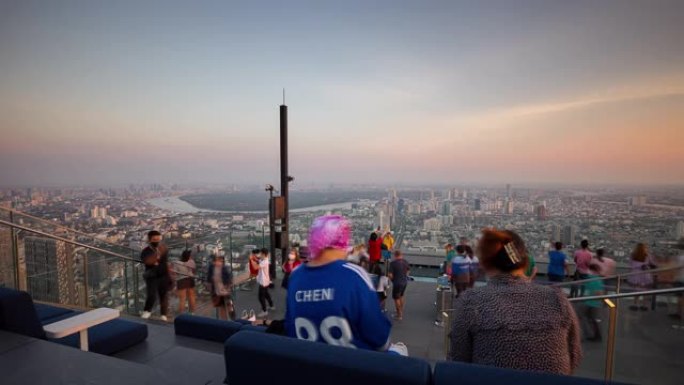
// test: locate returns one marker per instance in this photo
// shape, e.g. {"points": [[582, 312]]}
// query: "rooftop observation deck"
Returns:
{"points": [[649, 349]]}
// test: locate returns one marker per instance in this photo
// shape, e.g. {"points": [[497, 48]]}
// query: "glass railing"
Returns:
{"points": [[638, 344], [62, 266]]}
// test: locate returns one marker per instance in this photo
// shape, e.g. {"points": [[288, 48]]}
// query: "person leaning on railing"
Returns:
{"points": [[512, 322]]}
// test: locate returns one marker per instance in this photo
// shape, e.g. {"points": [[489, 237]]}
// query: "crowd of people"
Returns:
{"points": [[337, 294]]}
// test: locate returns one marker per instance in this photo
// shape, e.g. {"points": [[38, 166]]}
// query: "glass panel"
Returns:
{"points": [[650, 340]]}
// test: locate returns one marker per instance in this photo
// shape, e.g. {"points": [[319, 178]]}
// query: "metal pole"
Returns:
{"points": [[284, 182], [447, 331], [125, 272], [15, 252], [136, 288], [230, 250], [85, 277], [610, 349]]}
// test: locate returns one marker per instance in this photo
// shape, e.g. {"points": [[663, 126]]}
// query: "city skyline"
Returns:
{"points": [[389, 93]]}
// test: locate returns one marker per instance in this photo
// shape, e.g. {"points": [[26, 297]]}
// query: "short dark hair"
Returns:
{"points": [[152, 233], [599, 254], [374, 237], [377, 270], [265, 251], [559, 245], [469, 251], [584, 244], [186, 255], [460, 249], [256, 251], [398, 253], [493, 255]]}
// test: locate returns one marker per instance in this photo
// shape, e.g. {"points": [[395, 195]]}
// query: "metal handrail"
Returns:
{"points": [[58, 238], [618, 276], [21, 213], [627, 295]]}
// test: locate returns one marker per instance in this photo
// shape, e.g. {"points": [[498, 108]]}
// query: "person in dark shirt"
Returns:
{"points": [[398, 274], [157, 278]]}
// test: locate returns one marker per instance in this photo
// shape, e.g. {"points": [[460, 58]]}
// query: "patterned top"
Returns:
{"points": [[512, 323]]}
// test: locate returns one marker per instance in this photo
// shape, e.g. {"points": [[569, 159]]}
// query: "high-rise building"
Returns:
{"points": [[477, 204], [432, 224], [508, 191], [50, 270], [102, 213], [638, 200], [380, 220], [446, 208], [569, 234], [541, 213], [95, 212], [556, 232], [679, 230], [507, 207]]}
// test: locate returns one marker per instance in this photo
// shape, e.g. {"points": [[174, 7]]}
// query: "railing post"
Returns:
{"points": [[125, 273], [136, 288], [610, 349], [15, 252], [447, 330], [86, 300]]}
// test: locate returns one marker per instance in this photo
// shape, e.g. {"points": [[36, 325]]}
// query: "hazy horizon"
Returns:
{"points": [[388, 93]]}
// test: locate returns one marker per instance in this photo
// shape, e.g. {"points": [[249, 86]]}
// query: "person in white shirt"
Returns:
{"points": [[382, 287], [264, 281]]}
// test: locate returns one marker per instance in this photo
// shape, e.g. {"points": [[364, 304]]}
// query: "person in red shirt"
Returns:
{"points": [[374, 250], [292, 262], [253, 267]]}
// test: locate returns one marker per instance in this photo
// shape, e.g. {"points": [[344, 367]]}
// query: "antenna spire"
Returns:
{"points": [[283, 96]]}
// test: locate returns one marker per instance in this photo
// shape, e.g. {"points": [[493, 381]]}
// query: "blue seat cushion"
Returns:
{"points": [[46, 312], [110, 337], [204, 328], [314, 363], [449, 373], [18, 315]]}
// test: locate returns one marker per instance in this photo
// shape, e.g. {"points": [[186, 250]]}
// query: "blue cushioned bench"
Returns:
{"points": [[18, 314], [450, 373], [210, 329], [290, 360]]}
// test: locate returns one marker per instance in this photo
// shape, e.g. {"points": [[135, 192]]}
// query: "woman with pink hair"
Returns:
{"points": [[332, 301]]}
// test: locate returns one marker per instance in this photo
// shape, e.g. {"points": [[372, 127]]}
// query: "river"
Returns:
{"points": [[177, 205]]}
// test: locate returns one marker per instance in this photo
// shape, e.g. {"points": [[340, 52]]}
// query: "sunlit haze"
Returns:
{"points": [[378, 92]]}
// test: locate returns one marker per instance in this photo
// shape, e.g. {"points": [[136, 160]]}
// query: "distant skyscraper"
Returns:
{"points": [[568, 235], [639, 200], [95, 212], [50, 270], [556, 233], [679, 230], [446, 208], [508, 191], [540, 210], [380, 219], [478, 204]]}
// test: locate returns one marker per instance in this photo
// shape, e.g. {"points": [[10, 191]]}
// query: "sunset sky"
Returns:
{"points": [[95, 92]]}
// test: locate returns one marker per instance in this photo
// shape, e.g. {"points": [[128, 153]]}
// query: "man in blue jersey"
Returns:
{"points": [[332, 301]]}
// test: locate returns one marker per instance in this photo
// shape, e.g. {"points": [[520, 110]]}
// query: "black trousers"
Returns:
{"points": [[265, 296], [157, 287], [588, 316]]}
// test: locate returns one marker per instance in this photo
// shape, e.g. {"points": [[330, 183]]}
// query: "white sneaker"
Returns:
{"points": [[271, 308], [145, 315], [262, 314], [399, 348], [163, 318]]}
